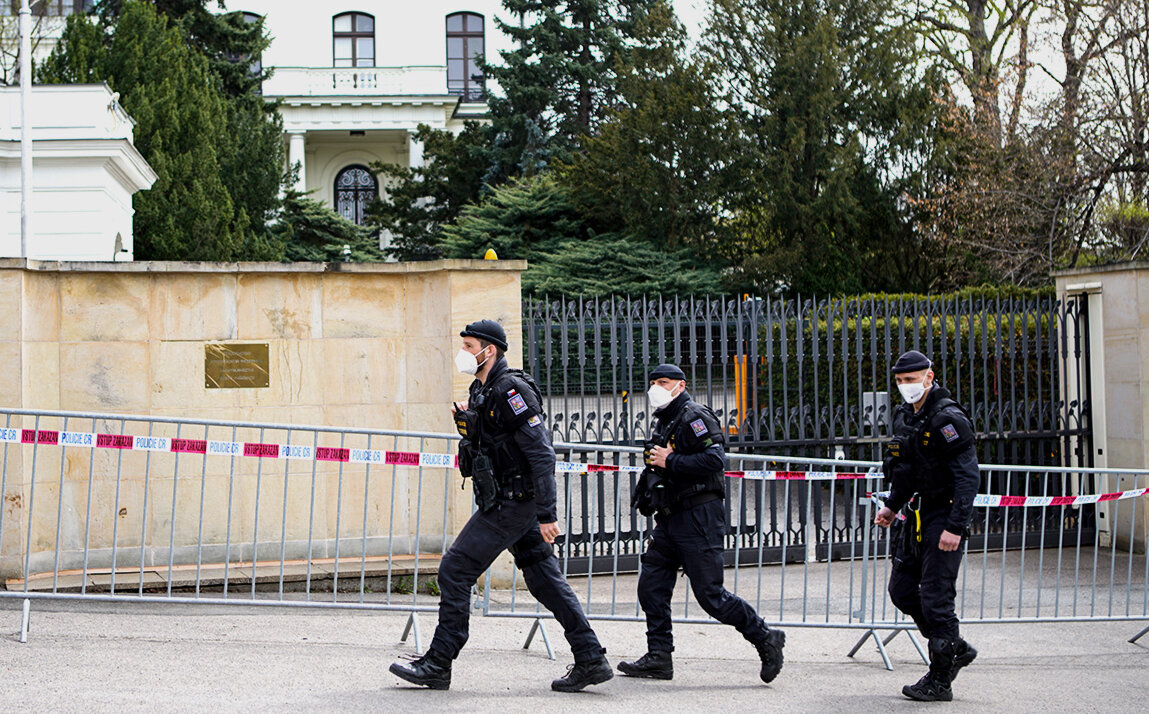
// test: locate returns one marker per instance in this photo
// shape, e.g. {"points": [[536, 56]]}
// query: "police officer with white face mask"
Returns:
{"points": [[508, 455], [682, 487], [931, 463]]}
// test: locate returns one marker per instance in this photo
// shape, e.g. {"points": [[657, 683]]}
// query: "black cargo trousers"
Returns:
{"points": [[691, 539], [923, 580], [510, 525]]}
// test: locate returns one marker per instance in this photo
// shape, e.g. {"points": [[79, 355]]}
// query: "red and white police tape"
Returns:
{"points": [[383, 457], [211, 447]]}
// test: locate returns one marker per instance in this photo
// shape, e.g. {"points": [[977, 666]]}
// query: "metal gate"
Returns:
{"points": [[810, 378]]}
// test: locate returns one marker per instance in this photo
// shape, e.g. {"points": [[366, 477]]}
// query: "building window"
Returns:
{"points": [[464, 51], [354, 40], [52, 8], [355, 189]]}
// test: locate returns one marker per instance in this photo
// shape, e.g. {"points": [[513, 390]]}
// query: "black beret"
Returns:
{"points": [[912, 361], [488, 330], [667, 370]]}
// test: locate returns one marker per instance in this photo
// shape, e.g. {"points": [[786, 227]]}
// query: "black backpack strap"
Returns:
{"points": [[674, 425], [939, 405]]}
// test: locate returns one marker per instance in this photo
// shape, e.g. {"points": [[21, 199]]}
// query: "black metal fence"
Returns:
{"points": [[810, 378]]}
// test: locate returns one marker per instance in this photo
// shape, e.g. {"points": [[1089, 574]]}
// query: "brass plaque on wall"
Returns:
{"points": [[235, 366]]}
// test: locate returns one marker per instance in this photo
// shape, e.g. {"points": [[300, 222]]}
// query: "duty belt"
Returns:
{"points": [[931, 501], [683, 504]]}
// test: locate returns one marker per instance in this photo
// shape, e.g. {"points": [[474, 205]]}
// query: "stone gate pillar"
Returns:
{"points": [[1117, 301]]}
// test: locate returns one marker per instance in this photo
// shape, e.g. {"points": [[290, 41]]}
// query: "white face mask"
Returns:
{"points": [[913, 391], [659, 396], [468, 363]]}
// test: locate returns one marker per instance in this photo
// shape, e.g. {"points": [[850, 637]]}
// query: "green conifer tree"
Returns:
{"points": [[181, 129], [555, 87], [838, 109], [664, 164], [534, 219], [310, 231]]}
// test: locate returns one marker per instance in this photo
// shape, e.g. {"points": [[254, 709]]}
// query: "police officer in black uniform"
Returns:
{"points": [[931, 462], [507, 453], [682, 487]]}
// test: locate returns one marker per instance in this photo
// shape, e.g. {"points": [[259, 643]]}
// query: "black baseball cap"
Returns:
{"points": [[912, 361], [488, 330], [669, 371]]}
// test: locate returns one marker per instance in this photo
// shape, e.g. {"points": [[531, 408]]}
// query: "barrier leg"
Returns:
{"points": [[882, 651], [24, 621], [859, 643], [540, 627], [881, 647], [918, 646], [413, 625], [1135, 637], [913, 641]]}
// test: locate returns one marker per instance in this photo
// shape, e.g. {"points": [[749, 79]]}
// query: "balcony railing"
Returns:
{"points": [[470, 94], [356, 81]]}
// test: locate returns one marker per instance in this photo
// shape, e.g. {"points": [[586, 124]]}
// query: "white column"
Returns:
{"points": [[295, 157], [414, 152]]}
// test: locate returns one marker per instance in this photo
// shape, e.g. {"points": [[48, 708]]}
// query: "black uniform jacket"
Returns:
{"points": [[511, 407], [698, 462], [940, 460]]}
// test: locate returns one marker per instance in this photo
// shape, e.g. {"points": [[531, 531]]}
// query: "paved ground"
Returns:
{"points": [[164, 657]]}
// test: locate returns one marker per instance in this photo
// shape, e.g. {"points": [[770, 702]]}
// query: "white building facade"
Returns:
{"points": [[85, 171], [356, 79], [353, 80]]}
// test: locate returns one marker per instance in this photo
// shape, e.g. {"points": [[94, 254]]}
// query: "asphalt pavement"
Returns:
{"points": [[166, 657]]}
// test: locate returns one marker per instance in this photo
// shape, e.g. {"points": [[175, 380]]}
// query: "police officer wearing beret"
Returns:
{"points": [[682, 487], [507, 453], [931, 462]]}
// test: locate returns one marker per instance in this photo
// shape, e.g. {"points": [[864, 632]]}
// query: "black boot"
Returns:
{"points": [[770, 651], [583, 674], [935, 686], [656, 664], [929, 689], [431, 670], [964, 654]]}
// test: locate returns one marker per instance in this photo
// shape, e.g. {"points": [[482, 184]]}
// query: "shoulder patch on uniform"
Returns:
{"points": [[535, 420], [949, 432], [518, 404], [699, 427]]}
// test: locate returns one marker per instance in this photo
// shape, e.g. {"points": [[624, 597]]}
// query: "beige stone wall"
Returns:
{"points": [[361, 347], [1119, 327]]}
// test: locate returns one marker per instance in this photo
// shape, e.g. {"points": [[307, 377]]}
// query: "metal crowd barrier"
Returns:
{"points": [[116, 508], [1065, 544], [131, 508]]}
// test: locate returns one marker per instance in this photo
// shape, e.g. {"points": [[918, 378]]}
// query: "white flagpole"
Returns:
{"points": [[25, 129]]}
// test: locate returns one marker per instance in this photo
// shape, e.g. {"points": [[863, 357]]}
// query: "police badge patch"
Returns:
{"points": [[699, 427], [535, 420], [518, 404], [949, 432]]}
